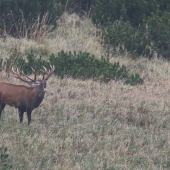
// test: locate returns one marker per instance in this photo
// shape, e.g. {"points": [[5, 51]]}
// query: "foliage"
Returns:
{"points": [[82, 65], [138, 27], [107, 11], [79, 6], [159, 33], [4, 161], [16, 60], [134, 11], [127, 38], [134, 79], [1, 60], [85, 66]]}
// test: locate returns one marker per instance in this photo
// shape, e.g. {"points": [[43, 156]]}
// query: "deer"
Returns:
{"points": [[22, 97]]}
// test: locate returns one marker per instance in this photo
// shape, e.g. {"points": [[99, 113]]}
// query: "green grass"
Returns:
{"points": [[85, 125]]}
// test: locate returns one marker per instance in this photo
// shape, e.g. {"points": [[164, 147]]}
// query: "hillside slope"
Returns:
{"points": [[87, 124]]}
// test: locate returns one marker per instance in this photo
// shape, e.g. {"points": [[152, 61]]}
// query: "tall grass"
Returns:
{"points": [[88, 125], [34, 29], [73, 34]]}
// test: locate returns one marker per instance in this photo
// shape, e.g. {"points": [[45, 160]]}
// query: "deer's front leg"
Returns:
{"points": [[21, 113]]}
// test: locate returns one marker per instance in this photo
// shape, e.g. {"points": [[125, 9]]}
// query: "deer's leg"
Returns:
{"points": [[2, 106], [21, 113], [29, 116]]}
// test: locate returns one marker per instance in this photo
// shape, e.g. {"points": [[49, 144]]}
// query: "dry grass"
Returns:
{"points": [[73, 34], [76, 35], [92, 125]]}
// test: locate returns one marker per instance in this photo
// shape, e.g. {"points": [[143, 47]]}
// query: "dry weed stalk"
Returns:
{"points": [[35, 29], [41, 27]]}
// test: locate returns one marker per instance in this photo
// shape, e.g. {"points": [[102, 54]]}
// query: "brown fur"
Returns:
{"points": [[22, 97], [26, 99]]}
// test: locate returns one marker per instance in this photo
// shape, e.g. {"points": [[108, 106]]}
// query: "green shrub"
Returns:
{"points": [[137, 26], [159, 33], [81, 65], [1, 60], [4, 161], [134, 79], [134, 11], [123, 37], [84, 66], [16, 60]]}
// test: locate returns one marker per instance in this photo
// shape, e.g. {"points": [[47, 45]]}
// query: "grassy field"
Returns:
{"points": [[87, 125]]}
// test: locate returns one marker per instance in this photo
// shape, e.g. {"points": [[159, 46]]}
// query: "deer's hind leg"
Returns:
{"points": [[29, 116], [2, 106]]}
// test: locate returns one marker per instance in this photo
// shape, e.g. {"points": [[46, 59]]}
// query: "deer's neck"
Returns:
{"points": [[38, 97]]}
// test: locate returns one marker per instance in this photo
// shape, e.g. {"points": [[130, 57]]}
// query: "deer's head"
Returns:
{"points": [[39, 84]]}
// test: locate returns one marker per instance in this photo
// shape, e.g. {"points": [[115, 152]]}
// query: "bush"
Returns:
{"points": [[4, 161], [122, 25], [134, 79], [134, 11], [137, 26], [82, 66], [159, 33], [126, 38], [16, 60], [78, 6]]}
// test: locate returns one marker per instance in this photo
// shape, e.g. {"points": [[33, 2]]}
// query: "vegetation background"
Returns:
{"points": [[84, 122]]}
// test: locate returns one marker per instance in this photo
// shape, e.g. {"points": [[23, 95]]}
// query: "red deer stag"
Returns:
{"points": [[25, 98]]}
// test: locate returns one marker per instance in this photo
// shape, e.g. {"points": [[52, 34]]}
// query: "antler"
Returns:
{"points": [[18, 76], [29, 77], [49, 73]]}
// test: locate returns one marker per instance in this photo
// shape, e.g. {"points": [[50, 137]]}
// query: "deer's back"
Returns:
{"points": [[15, 95]]}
